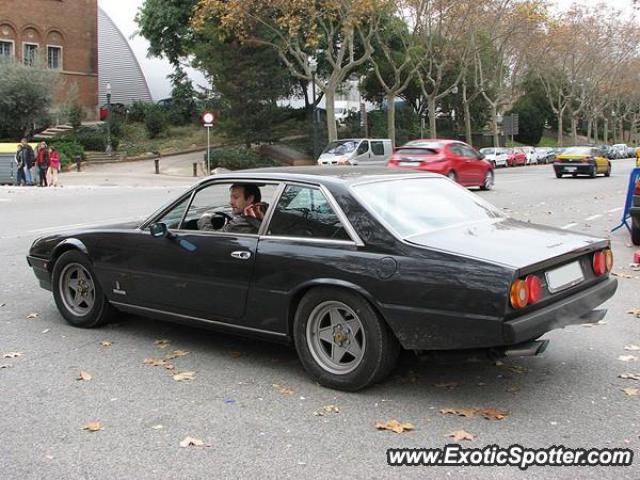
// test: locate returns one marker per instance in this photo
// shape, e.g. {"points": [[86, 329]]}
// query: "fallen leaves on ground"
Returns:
{"points": [[193, 442], [12, 355], [181, 377], [6, 365], [93, 427], [162, 343], [632, 392], [630, 376], [84, 376], [632, 348], [621, 275], [283, 389], [628, 358], [2, 304], [635, 312], [154, 362], [325, 410], [447, 385], [395, 426], [459, 435], [487, 413], [599, 322], [46, 330], [176, 354], [106, 343], [32, 315]]}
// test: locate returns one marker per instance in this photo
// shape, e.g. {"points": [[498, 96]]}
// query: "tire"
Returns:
{"points": [[594, 172], [84, 306], [452, 176], [635, 231], [488, 182], [608, 172], [343, 312], [558, 175]]}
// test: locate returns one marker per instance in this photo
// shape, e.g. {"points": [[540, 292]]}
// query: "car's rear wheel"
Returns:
{"points": [[608, 172], [593, 172], [635, 231], [452, 175], [558, 175], [77, 292], [487, 184], [341, 341]]}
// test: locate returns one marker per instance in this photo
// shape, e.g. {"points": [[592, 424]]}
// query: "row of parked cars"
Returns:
{"points": [[518, 156]]}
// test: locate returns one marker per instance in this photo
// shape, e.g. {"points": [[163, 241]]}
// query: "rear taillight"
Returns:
{"points": [[519, 294], [602, 262], [534, 285]]}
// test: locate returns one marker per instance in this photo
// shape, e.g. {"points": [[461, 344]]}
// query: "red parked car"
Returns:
{"points": [[516, 157], [457, 160]]}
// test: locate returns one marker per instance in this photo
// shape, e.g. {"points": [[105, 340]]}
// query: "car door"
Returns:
{"points": [[362, 154], [458, 162], [196, 272], [378, 156], [475, 166]]}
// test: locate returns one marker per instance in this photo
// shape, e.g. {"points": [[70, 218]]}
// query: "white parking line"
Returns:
{"points": [[593, 217], [615, 210], [569, 226]]}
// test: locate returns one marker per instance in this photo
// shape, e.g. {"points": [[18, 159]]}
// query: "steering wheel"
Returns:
{"points": [[220, 219]]}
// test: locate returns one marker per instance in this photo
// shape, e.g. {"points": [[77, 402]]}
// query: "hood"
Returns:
{"points": [[508, 242]]}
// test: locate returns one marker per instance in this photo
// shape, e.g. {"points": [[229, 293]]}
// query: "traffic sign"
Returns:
{"points": [[207, 119]]}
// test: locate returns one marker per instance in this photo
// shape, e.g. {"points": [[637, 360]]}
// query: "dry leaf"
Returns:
{"points": [[326, 409], [459, 435], [632, 392], [46, 330], [627, 358], [163, 343], [461, 412], [395, 426], [176, 354], [630, 376], [84, 376], [235, 354], [492, 413], [180, 377], [283, 389], [448, 385], [632, 348], [6, 365], [621, 275], [106, 343], [93, 427], [635, 312], [193, 442], [32, 315], [154, 362], [2, 304], [169, 366], [12, 355]]}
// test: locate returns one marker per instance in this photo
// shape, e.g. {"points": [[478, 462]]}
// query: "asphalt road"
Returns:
{"points": [[253, 404]]}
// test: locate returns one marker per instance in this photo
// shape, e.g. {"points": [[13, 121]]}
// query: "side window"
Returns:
{"points": [[455, 149], [377, 148], [469, 152], [363, 148], [305, 212], [211, 198], [172, 218]]}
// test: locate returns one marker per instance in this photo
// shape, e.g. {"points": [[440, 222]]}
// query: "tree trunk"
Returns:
{"points": [[560, 143], [494, 121], [606, 130], [432, 118], [467, 122], [574, 129], [613, 130], [330, 103], [589, 125], [596, 131], [391, 119]]}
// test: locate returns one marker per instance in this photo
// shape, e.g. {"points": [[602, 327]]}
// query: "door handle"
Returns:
{"points": [[241, 255]]}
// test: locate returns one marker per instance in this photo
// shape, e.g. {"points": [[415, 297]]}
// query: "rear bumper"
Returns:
{"points": [[41, 270], [578, 168], [572, 310]]}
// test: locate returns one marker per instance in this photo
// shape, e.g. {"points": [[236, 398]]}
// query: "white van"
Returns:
{"points": [[357, 151]]}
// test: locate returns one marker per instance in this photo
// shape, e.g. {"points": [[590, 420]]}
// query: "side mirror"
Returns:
{"points": [[159, 230], [481, 156]]}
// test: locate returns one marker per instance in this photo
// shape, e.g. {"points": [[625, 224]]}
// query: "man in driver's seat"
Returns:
{"points": [[248, 210]]}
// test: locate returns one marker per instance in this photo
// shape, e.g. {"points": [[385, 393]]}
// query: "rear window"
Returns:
{"points": [[417, 151], [578, 151], [419, 205]]}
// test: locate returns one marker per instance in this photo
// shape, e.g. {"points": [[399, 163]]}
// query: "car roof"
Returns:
{"points": [[334, 175]]}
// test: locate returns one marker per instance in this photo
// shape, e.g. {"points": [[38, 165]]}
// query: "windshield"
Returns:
{"points": [[413, 206], [340, 147], [492, 151], [577, 151]]}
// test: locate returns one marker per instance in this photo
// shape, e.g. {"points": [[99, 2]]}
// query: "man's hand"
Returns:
{"points": [[256, 210]]}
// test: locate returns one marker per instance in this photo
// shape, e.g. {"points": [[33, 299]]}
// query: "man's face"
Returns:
{"points": [[237, 200], [23, 141]]}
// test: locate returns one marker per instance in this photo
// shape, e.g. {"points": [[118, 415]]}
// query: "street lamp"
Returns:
{"points": [[313, 67], [108, 150]]}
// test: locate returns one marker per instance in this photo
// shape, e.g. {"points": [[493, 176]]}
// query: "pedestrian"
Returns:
{"points": [[54, 167], [42, 161], [20, 178], [28, 159]]}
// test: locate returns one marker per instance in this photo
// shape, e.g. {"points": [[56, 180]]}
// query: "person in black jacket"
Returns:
{"points": [[27, 158]]}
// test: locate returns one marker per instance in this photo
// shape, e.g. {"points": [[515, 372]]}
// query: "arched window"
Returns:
{"points": [[55, 49], [7, 41], [30, 47]]}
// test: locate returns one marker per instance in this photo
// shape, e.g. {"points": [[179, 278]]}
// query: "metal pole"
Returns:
{"points": [[108, 149], [208, 151], [78, 160], [195, 169], [315, 115], [157, 165]]}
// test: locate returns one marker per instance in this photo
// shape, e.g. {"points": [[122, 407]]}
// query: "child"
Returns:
{"points": [[54, 167]]}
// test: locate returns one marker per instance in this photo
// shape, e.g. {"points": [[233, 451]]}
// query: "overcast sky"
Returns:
{"points": [[122, 12]]}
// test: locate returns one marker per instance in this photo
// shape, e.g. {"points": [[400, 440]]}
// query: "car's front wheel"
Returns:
{"points": [[608, 172], [77, 293], [487, 184], [452, 175], [635, 231], [341, 340], [558, 174]]}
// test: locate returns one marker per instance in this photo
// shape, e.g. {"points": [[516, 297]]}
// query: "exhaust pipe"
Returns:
{"points": [[526, 349]]}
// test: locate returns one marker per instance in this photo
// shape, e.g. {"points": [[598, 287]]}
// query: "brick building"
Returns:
{"points": [[60, 35]]}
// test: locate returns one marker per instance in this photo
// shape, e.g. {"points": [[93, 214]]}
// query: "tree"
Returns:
{"points": [[338, 31], [26, 93], [183, 107]]}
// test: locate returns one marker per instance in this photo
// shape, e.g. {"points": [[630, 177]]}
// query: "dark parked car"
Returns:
{"points": [[349, 265], [634, 211]]}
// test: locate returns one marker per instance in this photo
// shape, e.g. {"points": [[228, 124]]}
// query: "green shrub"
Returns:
{"points": [[237, 158], [68, 150], [76, 114], [155, 121], [138, 111], [93, 139]]}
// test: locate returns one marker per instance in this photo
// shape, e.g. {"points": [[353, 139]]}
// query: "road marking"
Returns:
{"points": [[569, 226], [593, 217], [615, 210]]}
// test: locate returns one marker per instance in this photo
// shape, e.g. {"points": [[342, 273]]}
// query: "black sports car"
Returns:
{"points": [[348, 264]]}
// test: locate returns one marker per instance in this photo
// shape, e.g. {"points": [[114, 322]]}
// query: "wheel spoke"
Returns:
{"points": [[354, 349], [354, 326], [326, 334], [336, 317], [337, 352]]}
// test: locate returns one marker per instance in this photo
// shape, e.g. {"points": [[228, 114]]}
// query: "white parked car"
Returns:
{"points": [[620, 150], [532, 155], [496, 155], [357, 151]]}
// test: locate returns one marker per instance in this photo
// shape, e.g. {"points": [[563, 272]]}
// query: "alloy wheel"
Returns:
{"points": [[77, 289]]}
